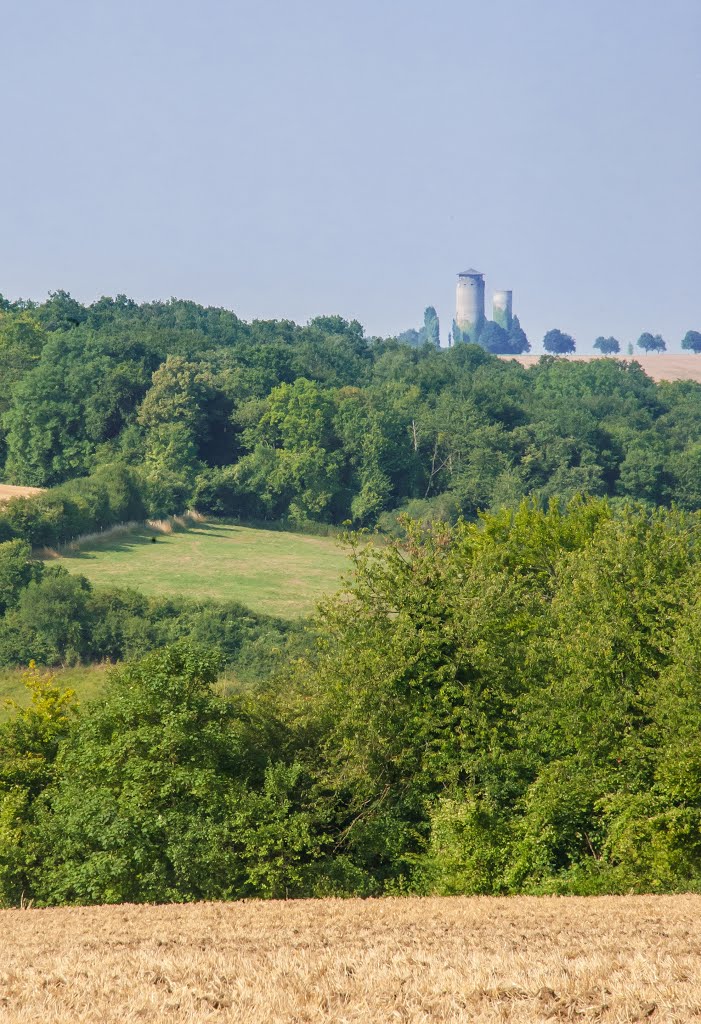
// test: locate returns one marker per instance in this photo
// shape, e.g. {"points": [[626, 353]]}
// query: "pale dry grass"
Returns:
{"points": [[172, 523], [165, 526], [8, 491], [407, 960], [663, 366]]}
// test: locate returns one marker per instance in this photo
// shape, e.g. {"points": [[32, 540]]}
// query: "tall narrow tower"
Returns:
{"points": [[469, 314], [502, 304]]}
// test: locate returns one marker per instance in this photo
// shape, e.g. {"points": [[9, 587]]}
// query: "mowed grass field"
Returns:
{"points": [[270, 571], [419, 961]]}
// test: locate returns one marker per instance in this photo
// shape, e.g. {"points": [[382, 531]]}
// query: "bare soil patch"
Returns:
{"points": [[417, 961]]}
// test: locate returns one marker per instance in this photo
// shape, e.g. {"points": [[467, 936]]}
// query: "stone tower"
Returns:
{"points": [[502, 305], [469, 314]]}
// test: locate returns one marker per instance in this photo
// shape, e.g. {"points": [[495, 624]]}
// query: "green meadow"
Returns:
{"points": [[270, 571], [86, 680]]}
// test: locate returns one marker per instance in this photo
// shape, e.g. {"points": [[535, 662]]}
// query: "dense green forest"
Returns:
{"points": [[270, 420], [503, 699]]}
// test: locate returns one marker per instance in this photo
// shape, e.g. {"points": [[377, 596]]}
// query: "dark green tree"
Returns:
{"points": [[494, 338], [607, 346], [61, 312], [558, 343], [518, 342], [17, 570], [167, 793], [692, 341], [410, 337], [651, 343], [431, 329]]}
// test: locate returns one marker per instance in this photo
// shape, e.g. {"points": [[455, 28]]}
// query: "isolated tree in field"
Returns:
{"points": [[558, 342], [692, 341], [607, 346], [652, 342]]}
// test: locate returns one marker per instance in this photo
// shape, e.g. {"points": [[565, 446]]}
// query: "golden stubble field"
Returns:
{"points": [[659, 366], [8, 491], [406, 960]]}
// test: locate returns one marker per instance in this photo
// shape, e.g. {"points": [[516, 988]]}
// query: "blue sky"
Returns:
{"points": [[286, 159]]}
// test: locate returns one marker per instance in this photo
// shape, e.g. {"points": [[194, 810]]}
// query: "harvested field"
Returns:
{"points": [[8, 491], [665, 366], [415, 961]]}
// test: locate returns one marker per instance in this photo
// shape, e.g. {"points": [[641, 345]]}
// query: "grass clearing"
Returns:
{"points": [[86, 680], [420, 961], [270, 571]]}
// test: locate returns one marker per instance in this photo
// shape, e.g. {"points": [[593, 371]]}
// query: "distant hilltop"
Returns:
{"points": [[666, 366], [503, 334]]}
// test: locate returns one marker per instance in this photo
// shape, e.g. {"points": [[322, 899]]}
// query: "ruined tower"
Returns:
{"points": [[502, 305], [469, 314]]}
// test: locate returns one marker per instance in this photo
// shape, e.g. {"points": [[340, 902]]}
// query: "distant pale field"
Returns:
{"points": [[432, 961], [665, 366], [8, 491], [270, 571]]}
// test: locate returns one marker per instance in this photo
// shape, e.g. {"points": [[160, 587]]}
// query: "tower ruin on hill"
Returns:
{"points": [[469, 314]]}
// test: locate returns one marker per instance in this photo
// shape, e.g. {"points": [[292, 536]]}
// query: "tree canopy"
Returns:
{"points": [[504, 706], [607, 346], [692, 341], [198, 406], [651, 342], [558, 343]]}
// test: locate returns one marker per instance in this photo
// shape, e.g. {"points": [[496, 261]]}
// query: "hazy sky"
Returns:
{"points": [[286, 159]]}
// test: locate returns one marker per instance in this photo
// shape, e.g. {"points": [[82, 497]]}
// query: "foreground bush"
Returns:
{"points": [[506, 707], [515, 706]]}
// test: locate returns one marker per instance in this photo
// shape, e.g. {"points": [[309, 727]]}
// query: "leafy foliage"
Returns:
{"points": [[692, 341], [271, 420], [607, 346], [558, 342], [651, 342], [495, 707]]}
